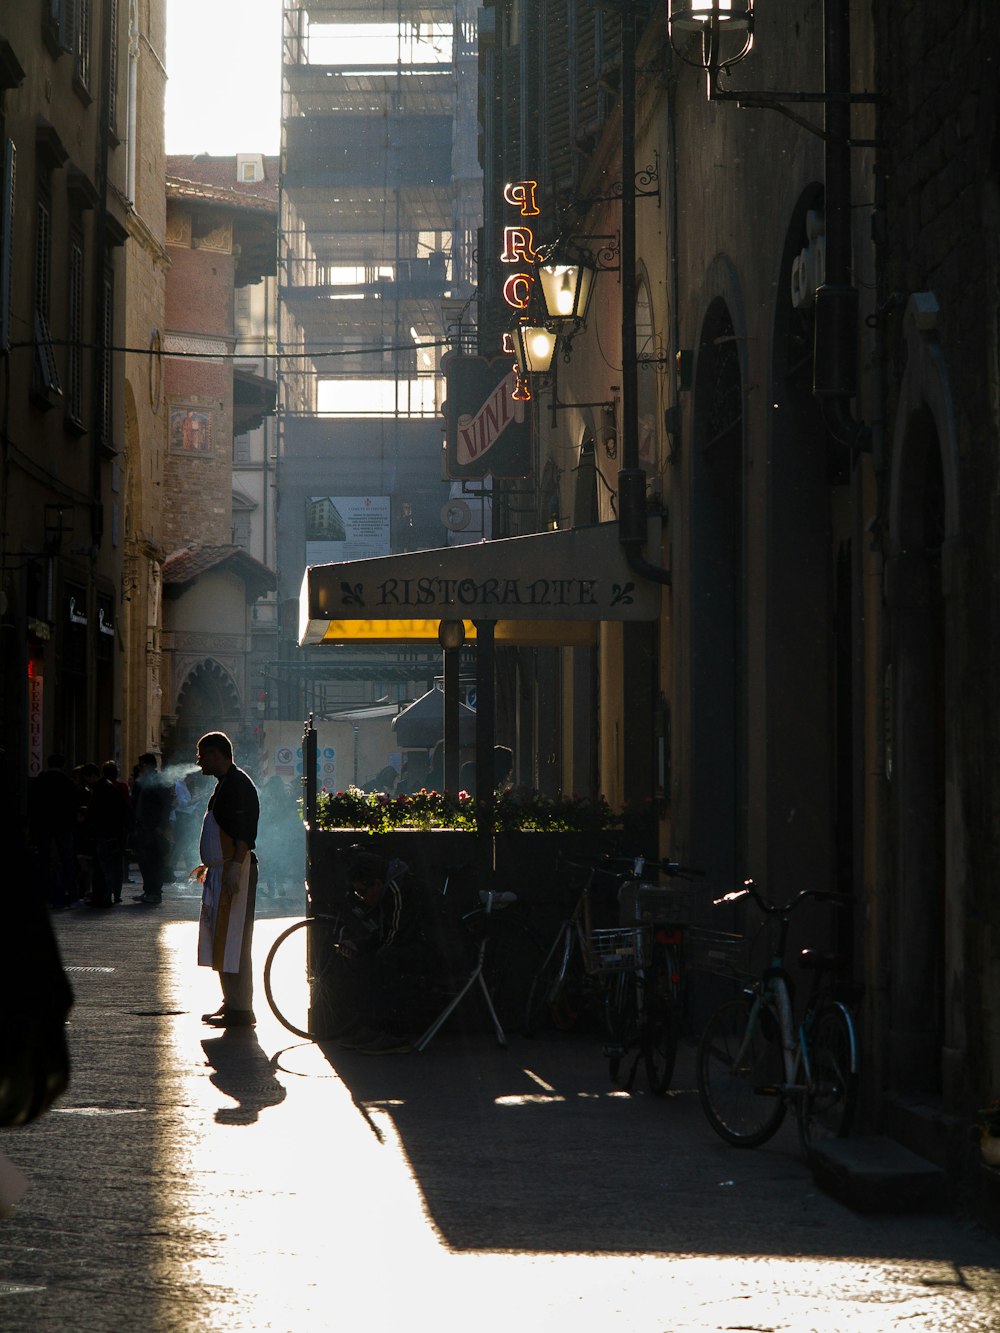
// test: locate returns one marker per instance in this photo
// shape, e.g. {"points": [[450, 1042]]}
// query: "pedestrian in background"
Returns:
{"points": [[86, 776], [152, 800], [106, 822], [229, 877], [53, 801]]}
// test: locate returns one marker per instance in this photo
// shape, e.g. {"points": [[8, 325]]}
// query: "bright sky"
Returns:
{"points": [[224, 68]]}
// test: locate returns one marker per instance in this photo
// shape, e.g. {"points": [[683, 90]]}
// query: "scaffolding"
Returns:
{"points": [[380, 209]]}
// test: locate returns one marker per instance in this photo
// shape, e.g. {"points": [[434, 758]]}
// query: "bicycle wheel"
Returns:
{"points": [[661, 1022], [830, 1096], [554, 999], [304, 980], [739, 1073], [620, 1019], [513, 957]]}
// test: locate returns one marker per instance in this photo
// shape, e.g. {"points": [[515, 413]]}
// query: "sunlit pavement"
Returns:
{"points": [[194, 1180]]}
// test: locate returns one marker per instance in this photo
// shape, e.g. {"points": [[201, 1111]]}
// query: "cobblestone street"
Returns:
{"points": [[249, 1181]]}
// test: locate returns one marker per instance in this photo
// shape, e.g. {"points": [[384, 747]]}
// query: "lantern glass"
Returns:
{"points": [[693, 15], [535, 348], [566, 290]]}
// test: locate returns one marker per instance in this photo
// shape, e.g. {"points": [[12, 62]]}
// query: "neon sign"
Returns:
{"points": [[519, 249]]}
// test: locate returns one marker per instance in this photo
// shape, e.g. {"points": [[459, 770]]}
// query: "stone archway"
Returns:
{"points": [[924, 917], [207, 701]]}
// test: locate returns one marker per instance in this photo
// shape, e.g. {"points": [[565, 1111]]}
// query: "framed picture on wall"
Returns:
{"points": [[190, 430]]}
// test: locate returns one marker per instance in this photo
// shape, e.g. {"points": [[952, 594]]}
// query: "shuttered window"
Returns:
{"points": [[113, 72], [45, 387], [107, 362], [74, 361], [83, 43]]}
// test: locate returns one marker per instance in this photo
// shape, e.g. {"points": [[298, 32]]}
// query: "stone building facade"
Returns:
{"points": [[82, 263], [815, 414], [221, 233]]}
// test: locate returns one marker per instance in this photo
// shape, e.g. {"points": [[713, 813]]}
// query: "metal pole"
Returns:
{"points": [[485, 740], [451, 723]]}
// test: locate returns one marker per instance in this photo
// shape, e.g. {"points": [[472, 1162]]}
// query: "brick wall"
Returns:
{"points": [[198, 468]]}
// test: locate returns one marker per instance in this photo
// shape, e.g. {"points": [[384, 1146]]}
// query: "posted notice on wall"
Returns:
{"points": [[346, 527]]}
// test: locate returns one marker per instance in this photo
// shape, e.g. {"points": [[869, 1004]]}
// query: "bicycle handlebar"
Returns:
{"points": [[634, 867], [750, 889]]}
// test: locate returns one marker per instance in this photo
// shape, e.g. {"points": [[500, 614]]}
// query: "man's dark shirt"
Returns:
{"points": [[402, 918], [236, 806], [153, 799]]}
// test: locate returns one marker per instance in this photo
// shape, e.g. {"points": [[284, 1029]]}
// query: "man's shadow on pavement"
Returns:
{"points": [[243, 1072]]}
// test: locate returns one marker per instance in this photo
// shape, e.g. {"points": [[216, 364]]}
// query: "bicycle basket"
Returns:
{"points": [[654, 904], [717, 952], [617, 950]]}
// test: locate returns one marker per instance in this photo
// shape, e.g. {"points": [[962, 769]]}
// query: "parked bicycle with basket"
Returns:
{"points": [[754, 1062], [644, 996], [618, 951]]}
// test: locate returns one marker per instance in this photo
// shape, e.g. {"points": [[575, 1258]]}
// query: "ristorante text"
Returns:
{"points": [[487, 592]]}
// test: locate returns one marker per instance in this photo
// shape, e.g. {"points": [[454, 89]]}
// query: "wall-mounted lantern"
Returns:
{"points": [[566, 281], [534, 347]]}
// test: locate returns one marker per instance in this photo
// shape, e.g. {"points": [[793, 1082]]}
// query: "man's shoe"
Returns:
{"points": [[231, 1018], [384, 1043], [148, 901], [215, 1015]]}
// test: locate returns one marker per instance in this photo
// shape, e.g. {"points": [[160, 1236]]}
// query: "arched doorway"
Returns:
{"points": [[208, 701], [718, 604], [919, 927], [924, 921], [808, 729]]}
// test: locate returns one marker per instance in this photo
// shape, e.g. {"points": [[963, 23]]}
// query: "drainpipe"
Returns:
{"points": [[102, 356], [835, 348], [631, 478], [133, 94]]}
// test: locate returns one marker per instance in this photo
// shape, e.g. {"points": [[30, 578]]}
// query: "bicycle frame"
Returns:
{"points": [[802, 1084]]}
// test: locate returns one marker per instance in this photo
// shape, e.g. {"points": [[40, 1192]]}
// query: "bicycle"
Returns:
{"points": [[630, 971], [753, 1063], [563, 990], [483, 951], [643, 999]]}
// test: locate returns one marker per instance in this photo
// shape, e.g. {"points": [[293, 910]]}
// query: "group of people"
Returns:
{"points": [[417, 775], [85, 826]]}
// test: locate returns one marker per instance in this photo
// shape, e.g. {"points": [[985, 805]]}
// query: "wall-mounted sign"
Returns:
{"points": [[519, 251], [346, 527], [576, 575], [36, 717], [487, 431]]}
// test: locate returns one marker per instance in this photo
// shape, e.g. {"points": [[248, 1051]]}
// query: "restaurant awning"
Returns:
{"points": [[550, 588]]}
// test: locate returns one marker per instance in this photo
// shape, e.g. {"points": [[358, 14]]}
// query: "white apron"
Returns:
{"points": [[220, 929]]}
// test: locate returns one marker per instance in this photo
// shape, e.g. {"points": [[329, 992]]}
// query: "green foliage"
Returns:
{"points": [[521, 809]]}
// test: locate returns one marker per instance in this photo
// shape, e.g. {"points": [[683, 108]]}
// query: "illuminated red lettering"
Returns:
{"points": [[522, 195], [518, 245]]}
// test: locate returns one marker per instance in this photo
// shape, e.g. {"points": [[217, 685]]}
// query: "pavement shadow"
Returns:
{"points": [[244, 1073], [534, 1149]]}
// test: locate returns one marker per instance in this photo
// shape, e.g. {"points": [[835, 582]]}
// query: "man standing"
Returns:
{"points": [[152, 800], [229, 876]]}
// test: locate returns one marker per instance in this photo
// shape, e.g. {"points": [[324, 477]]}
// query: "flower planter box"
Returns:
{"points": [[526, 862]]}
